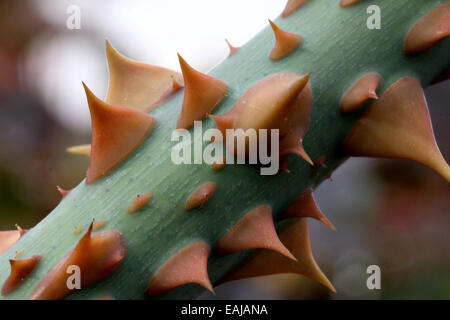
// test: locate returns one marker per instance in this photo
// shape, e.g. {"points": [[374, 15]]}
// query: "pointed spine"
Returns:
{"points": [[295, 237], [285, 42], [20, 270], [97, 257], [202, 94], [189, 265], [254, 231], [363, 90], [305, 206], [292, 6], [200, 196], [429, 30], [116, 132]]}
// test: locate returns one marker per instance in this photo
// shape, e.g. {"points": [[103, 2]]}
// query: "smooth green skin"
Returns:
{"points": [[337, 49]]}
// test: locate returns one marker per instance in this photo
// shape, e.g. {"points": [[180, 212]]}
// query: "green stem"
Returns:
{"points": [[337, 49]]}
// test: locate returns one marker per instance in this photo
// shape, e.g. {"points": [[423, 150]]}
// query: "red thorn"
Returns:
{"points": [[255, 230], [97, 257], [285, 43], [202, 94], [137, 85], [63, 192], [348, 3], [189, 265], [20, 270], [305, 206], [201, 195], [292, 6], [429, 30], [233, 50], [9, 238], [116, 132], [360, 92], [140, 201], [398, 125], [265, 262]]}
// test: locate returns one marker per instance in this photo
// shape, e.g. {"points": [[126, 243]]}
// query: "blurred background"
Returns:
{"points": [[394, 214]]}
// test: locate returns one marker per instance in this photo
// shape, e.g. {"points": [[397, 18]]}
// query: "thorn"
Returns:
{"points": [[202, 94], [139, 202], [9, 238], [81, 150], [96, 256], [360, 92], [285, 42], [233, 50], [254, 231], [63, 192], [97, 225], [292, 6], [189, 265], [78, 230], [137, 85], [305, 206], [265, 262], [200, 196], [429, 30], [398, 125], [297, 123], [116, 132], [348, 3], [20, 270]]}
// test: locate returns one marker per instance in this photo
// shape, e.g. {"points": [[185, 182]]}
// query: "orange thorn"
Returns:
{"points": [[285, 43], [297, 124], [282, 101], [233, 50], [96, 256], [266, 262], [292, 6], [254, 231], [137, 85], [20, 270], [200, 196], [306, 207], [116, 132], [398, 125], [189, 265], [78, 230], [348, 3], [360, 92], [97, 225], [9, 238], [202, 95], [140, 201], [81, 150], [63, 192], [429, 30]]}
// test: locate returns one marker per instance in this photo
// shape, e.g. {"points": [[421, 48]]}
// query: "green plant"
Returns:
{"points": [[337, 50]]}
